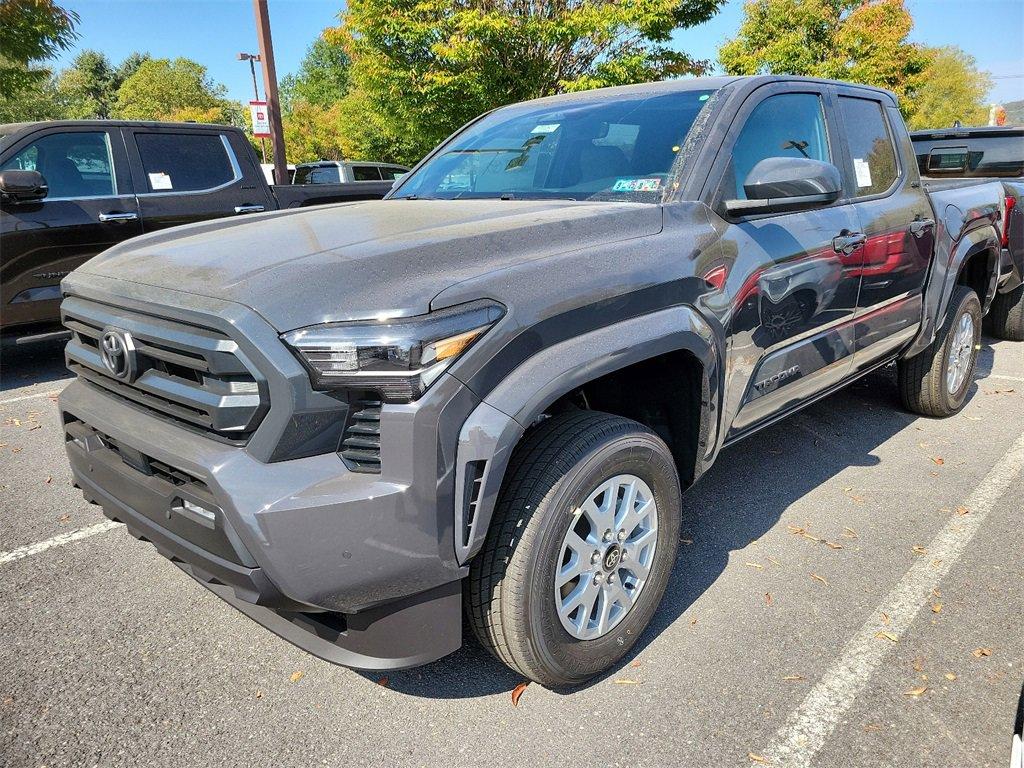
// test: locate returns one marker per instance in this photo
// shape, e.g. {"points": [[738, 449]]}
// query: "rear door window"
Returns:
{"points": [[785, 125], [871, 147], [185, 162], [365, 173], [75, 164]]}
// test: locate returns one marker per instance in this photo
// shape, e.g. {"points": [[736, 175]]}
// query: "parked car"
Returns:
{"points": [[268, 172], [487, 392], [346, 172], [960, 156], [70, 189]]}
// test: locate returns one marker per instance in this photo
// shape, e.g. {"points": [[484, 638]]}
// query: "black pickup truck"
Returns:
{"points": [[487, 393], [954, 157], [70, 189]]}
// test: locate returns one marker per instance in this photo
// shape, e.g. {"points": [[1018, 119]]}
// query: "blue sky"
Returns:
{"points": [[213, 31]]}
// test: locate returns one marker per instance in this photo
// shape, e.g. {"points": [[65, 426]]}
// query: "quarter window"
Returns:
{"points": [[874, 159], [184, 162], [74, 164], [787, 125]]}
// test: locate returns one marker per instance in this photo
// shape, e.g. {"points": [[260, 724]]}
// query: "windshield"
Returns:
{"points": [[595, 149]]}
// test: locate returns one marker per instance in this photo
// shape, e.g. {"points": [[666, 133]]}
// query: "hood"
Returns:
{"points": [[360, 260]]}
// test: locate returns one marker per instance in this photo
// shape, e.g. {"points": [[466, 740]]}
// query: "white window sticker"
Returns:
{"points": [[863, 171], [546, 128], [160, 180]]}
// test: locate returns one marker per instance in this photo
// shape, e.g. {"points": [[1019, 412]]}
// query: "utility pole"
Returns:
{"points": [[252, 58], [270, 88]]}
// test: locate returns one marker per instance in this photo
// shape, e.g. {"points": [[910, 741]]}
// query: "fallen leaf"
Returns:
{"points": [[872, 727], [755, 565], [936, 607], [935, 592], [296, 676], [517, 693], [949, 676], [885, 618], [49, 479], [383, 681], [687, 542], [980, 653], [793, 678], [625, 681], [259, 694], [759, 758], [916, 692], [692, 622], [773, 560], [635, 664], [64, 518], [919, 550], [999, 391], [936, 563], [37, 426], [938, 460], [887, 636], [918, 664], [816, 577], [962, 511], [833, 545], [768, 598], [850, 533]]}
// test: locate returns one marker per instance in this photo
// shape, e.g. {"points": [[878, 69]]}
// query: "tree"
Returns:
{"points": [[422, 68], [161, 89], [31, 31], [952, 88], [322, 79], [862, 41]]}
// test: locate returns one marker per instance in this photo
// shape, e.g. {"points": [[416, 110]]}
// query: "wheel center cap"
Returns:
{"points": [[612, 557]]}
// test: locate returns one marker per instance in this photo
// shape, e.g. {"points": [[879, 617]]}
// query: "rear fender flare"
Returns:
{"points": [[493, 429]]}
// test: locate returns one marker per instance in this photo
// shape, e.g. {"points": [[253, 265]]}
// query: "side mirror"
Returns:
{"points": [[22, 186], [779, 184]]}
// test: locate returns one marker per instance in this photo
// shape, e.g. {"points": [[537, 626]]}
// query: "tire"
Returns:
{"points": [[923, 379], [512, 594], [1006, 318]]}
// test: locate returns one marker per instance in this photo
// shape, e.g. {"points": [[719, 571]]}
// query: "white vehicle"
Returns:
{"points": [[268, 172], [346, 171]]}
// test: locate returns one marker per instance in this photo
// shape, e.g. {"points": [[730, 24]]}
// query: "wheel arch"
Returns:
{"points": [[554, 378]]}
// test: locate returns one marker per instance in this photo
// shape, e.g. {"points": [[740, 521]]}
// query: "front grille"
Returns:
{"points": [[360, 447], [194, 375]]}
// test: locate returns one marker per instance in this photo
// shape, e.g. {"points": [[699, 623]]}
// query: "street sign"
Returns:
{"points": [[260, 119]]}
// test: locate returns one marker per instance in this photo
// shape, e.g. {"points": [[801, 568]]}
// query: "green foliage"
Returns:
{"points": [[162, 89], [422, 68], [863, 41], [322, 79], [88, 88], [952, 88], [31, 31]]}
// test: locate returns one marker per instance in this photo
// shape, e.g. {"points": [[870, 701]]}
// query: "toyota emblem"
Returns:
{"points": [[117, 351]]}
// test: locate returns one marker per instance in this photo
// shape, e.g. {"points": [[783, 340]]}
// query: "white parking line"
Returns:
{"points": [[30, 397], [808, 726], [56, 541]]}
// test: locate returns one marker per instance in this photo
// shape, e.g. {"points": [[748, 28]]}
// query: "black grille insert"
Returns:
{"points": [[360, 446]]}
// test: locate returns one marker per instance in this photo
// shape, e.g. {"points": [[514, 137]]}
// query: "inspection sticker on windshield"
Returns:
{"points": [[636, 185], [546, 128]]}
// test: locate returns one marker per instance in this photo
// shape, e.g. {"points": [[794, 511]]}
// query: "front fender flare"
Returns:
{"points": [[493, 429]]}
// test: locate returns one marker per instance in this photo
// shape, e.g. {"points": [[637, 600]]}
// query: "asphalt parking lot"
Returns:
{"points": [[849, 592]]}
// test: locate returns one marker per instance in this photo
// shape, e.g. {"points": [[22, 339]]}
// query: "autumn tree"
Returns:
{"points": [[422, 69], [863, 41], [951, 88], [162, 89]]}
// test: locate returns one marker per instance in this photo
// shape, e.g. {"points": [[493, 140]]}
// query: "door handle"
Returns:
{"points": [[249, 209], [118, 216], [847, 244], [918, 226]]}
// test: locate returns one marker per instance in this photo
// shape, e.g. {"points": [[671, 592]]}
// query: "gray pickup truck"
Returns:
{"points": [[485, 395]]}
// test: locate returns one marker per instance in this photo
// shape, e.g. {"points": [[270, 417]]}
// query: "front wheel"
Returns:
{"points": [[580, 549], [935, 381]]}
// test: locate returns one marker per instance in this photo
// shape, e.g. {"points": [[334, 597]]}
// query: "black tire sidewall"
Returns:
{"points": [[967, 302], [566, 657]]}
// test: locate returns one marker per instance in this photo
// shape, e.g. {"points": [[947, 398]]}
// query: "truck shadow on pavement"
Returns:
{"points": [[741, 498], [41, 363]]}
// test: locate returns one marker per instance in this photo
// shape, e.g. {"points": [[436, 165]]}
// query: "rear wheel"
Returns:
{"points": [[1006, 318], [580, 550], [935, 382]]}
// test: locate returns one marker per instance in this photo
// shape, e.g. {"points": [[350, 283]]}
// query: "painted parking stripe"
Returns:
{"points": [[30, 397], [65, 538], [809, 725]]}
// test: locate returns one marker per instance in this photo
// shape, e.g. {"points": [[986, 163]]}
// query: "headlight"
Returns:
{"points": [[399, 357]]}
